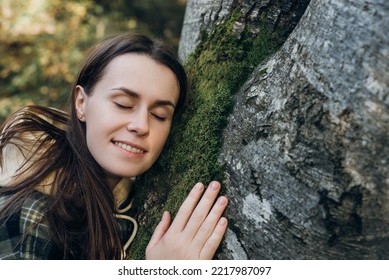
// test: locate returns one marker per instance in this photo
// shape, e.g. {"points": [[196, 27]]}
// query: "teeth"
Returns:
{"points": [[129, 148]]}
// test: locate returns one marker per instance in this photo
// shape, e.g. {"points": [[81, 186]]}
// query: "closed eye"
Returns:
{"points": [[159, 118], [122, 107]]}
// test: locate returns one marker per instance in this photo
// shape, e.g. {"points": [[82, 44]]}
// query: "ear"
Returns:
{"points": [[80, 102]]}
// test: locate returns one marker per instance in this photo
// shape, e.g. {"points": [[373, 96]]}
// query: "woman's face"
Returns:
{"points": [[128, 114]]}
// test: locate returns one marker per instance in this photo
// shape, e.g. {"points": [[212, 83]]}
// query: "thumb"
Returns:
{"points": [[160, 230]]}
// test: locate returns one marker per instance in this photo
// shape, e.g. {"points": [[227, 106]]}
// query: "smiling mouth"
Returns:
{"points": [[128, 148]]}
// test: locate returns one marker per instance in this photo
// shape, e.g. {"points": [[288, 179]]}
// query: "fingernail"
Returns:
{"points": [[222, 221], [215, 186], [199, 186], [222, 200]]}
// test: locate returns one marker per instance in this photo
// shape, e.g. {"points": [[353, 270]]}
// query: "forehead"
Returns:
{"points": [[140, 73]]}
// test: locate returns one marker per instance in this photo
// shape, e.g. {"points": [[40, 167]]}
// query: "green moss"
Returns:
{"points": [[217, 69]]}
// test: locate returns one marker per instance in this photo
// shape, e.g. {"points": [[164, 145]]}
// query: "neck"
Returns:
{"points": [[112, 180]]}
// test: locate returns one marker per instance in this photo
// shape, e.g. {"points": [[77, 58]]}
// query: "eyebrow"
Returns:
{"points": [[137, 96]]}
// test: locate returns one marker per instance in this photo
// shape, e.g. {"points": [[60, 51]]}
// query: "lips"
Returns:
{"points": [[130, 147]]}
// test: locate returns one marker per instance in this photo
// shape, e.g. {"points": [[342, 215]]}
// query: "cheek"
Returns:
{"points": [[98, 129], [93, 141], [94, 132], [100, 120], [160, 138]]}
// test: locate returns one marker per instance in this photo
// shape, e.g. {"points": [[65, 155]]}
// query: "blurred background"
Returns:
{"points": [[42, 42]]}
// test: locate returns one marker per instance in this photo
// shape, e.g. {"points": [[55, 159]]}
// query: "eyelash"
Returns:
{"points": [[161, 119], [121, 107]]}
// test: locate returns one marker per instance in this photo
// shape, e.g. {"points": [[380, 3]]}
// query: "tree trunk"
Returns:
{"points": [[304, 154], [307, 145]]}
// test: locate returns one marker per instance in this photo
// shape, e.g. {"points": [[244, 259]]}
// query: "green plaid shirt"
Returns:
{"points": [[24, 236]]}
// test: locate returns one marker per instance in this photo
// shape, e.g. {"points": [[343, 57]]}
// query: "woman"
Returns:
{"points": [[66, 177]]}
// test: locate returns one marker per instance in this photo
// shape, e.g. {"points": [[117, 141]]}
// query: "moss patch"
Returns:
{"points": [[217, 69]]}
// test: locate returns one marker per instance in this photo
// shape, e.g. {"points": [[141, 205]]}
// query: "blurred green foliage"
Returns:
{"points": [[43, 41]]}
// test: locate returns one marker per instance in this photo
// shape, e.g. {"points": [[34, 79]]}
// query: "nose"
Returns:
{"points": [[139, 123]]}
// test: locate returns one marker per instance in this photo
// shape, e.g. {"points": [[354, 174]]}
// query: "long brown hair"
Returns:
{"points": [[81, 205]]}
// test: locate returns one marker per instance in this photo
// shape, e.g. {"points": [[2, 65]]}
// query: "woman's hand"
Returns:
{"points": [[197, 230]]}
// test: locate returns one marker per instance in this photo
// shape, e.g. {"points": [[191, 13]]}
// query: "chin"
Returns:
{"points": [[126, 174]]}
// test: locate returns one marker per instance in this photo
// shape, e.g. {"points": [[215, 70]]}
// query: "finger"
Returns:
{"points": [[160, 230], [214, 240], [203, 208], [187, 207], [210, 222]]}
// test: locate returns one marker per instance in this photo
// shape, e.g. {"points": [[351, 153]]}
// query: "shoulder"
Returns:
{"points": [[32, 214], [25, 234]]}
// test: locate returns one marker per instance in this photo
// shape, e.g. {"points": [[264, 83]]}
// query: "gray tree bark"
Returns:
{"points": [[201, 15], [307, 146]]}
